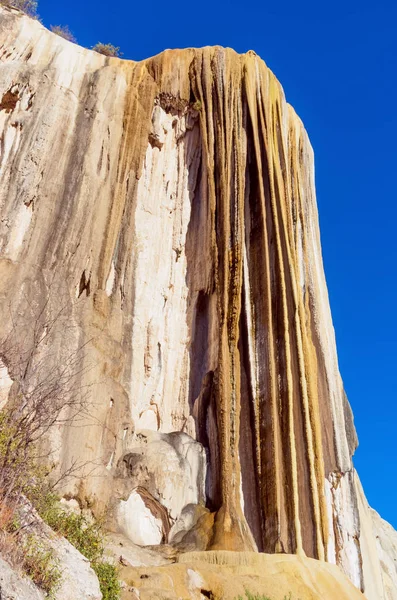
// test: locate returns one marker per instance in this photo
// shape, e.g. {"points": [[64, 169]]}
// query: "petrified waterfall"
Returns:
{"points": [[169, 207]]}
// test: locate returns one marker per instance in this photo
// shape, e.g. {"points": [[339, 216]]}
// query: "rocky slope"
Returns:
{"points": [[162, 215]]}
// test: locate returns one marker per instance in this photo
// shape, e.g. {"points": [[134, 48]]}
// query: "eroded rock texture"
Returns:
{"points": [[162, 215]]}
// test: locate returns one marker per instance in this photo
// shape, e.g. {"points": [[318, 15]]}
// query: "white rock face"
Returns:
{"points": [[160, 334], [138, 523], [171, 467], [5, 384], [378, 543], [168, 474], [344, 525], [386, 545], [78, 578]]}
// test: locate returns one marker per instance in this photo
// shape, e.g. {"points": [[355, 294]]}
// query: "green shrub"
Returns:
{"points": [[64, 32], [107, 50], [20, 475], [27, 6], [85, 535], [108, 580]]}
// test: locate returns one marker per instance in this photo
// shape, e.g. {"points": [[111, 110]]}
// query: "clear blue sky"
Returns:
{"points": [[337, 62]]}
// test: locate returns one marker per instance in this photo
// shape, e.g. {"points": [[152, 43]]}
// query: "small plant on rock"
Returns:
{"points": [[107, 50], [41, 565], [108, 580], [197, 105], [64, 32], [249, 596]]}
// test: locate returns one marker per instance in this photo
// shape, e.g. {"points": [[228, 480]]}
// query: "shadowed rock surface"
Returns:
{"points": [[162, 215]]}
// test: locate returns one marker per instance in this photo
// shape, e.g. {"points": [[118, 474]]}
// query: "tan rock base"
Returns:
{"points": [[226, 576]]}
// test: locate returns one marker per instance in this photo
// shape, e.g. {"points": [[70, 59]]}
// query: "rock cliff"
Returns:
{"points": [[159, 222]]}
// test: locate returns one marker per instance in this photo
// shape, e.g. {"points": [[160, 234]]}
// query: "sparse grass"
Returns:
{"points": [[36, 558], [107, 50], [18, 544], [249, 596], [43, 396], [64, 32], [41, 565]]}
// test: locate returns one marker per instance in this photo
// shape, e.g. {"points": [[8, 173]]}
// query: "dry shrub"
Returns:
{"points": [[41, 564], [46, 392], [6, 517], [27, 6], [107, 50], [64, 32]]}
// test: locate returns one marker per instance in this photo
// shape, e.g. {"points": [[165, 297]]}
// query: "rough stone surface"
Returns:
{"points": [[121, 550], [78, 578], [162, 215], [378, 542], [138, 522], [226, 576], [16, 587], [167, 472], [386, 545], [188, 518]]}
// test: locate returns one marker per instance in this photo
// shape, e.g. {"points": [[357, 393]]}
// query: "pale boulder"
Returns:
{"points": [[138, 522], [170, 466]]}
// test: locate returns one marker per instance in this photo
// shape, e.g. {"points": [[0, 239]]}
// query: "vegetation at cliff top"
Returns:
{"points": [[107, 50], [64, 32], [30, 8], [27, 6]]}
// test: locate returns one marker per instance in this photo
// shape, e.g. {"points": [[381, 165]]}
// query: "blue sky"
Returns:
{"points": [[337, 62]]}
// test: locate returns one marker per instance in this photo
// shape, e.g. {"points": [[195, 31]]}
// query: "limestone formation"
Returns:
{"points": [[229, 574], [161, 215], [166, 473]]}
